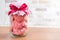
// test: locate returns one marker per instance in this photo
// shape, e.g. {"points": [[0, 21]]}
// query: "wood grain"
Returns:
{"points": [[33, 34]]}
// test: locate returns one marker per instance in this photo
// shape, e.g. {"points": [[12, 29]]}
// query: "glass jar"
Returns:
{"points": [[18, 25]]}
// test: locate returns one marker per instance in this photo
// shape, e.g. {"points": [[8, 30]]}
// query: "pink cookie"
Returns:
{"points": [[19, 25]]}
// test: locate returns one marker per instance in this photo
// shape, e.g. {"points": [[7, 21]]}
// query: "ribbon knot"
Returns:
{"points": [[13, 9]]}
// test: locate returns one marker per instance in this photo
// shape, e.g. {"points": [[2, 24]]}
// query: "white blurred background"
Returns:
{"points": [[45, 13]]}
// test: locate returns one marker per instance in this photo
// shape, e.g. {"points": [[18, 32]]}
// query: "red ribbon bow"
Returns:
{"points": [[21, 8]]}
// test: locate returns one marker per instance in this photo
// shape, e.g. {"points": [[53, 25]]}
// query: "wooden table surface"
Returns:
{"points": [[33, 34]]}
